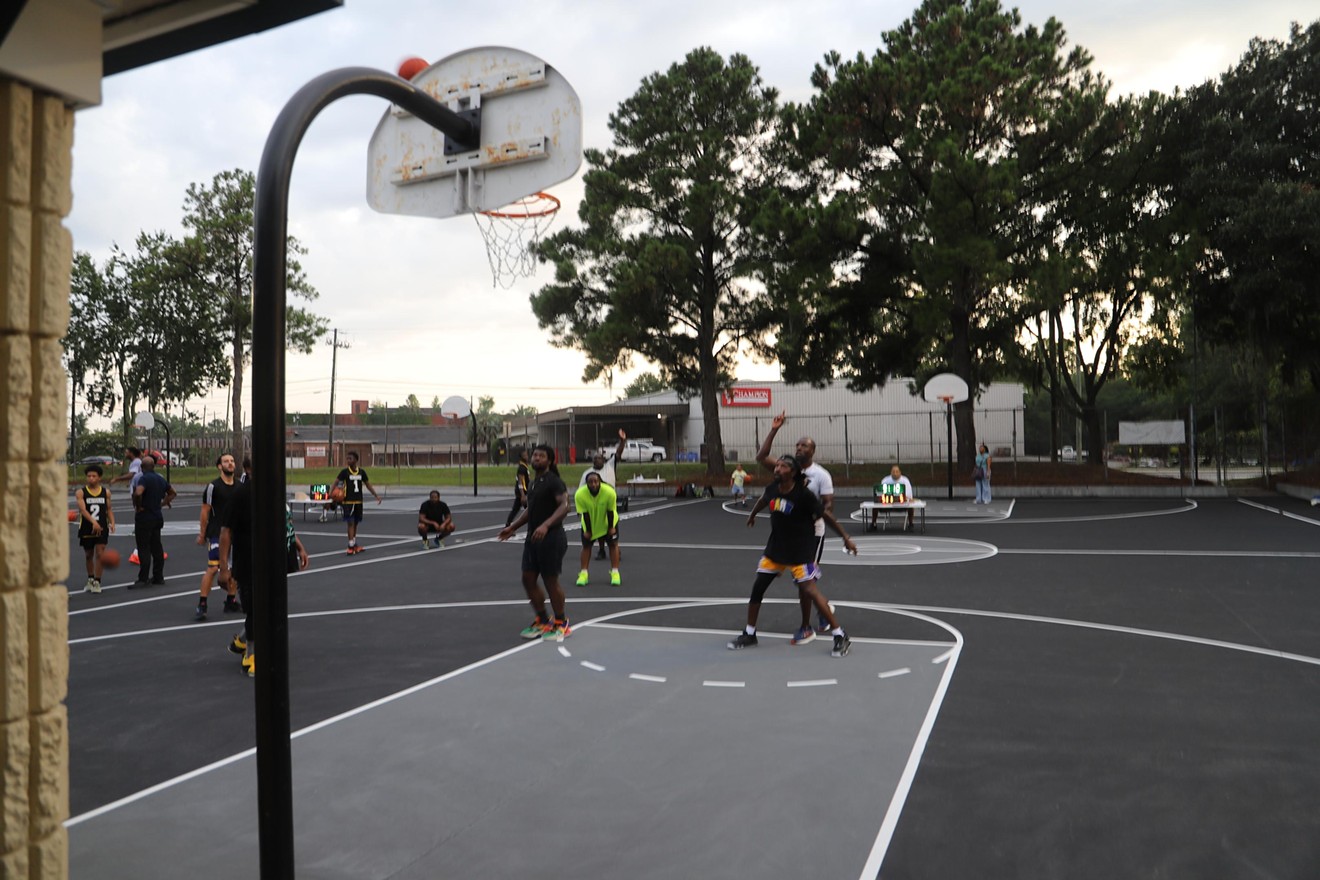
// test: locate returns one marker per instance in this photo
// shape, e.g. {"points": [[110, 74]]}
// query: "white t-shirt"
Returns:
{"points": [[820, 483], [606, 472]]}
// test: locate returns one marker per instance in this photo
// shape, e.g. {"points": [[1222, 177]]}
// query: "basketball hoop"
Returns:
{"points": [[511, 231]]}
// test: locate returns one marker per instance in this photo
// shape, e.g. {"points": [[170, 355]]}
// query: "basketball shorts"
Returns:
{"points": [[212, 552], [545, 557], [802, 572], [353, 512], [605, 539], [89, 541]]}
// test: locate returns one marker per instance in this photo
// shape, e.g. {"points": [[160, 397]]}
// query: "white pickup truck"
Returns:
{"points": [[642, 450]]}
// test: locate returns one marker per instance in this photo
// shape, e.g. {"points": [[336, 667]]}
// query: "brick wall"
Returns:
{"points": [[36, 141]]}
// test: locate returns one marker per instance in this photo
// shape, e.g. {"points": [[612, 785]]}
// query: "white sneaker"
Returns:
{"points": [[94, 586]]}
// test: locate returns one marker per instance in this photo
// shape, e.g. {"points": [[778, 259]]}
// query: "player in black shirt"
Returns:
{"points": [[214, 498], [543, 552], [352, 480], [792, 547], [434, 518], [96, 520]]}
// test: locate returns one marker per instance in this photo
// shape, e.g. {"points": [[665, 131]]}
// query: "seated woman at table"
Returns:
{"points": [[896, 478]]}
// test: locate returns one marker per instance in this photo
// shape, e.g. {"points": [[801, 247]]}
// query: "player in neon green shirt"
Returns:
{"points": [[597, 504]]}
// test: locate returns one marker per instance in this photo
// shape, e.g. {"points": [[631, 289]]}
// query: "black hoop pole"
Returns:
{"points": [[270, 583]]}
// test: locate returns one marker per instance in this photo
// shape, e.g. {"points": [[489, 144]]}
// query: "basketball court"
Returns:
{"points": [[1039, 689]]}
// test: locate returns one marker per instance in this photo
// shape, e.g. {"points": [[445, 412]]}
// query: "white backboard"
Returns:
{"points": [[945, 385], [531, 137]]}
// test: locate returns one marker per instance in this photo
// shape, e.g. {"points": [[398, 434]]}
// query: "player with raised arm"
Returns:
{"points": [[821, 484], [794, 510]]}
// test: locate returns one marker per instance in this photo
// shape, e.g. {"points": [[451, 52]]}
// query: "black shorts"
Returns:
{"points": [[605, 540], [89, 541], [545, 557]]}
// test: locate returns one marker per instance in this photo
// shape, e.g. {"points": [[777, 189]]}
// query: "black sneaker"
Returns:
{"points": [[744, 640], [201, 611], [138, 584], [841, 645], [232, 605], [156, 582], [238, 645]]}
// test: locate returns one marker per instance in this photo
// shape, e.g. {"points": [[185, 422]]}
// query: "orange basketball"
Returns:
{"points": [[337, 495], [73, 516], [410, 67], [110, 558]]}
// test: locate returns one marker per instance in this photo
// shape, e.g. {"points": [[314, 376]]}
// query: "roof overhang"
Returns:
{"points": [[65, 47]]}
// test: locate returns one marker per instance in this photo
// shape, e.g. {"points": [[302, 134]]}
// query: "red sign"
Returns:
{"points": [[745, 397]]}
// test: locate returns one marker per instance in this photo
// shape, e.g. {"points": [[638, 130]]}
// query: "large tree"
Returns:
{"points": [[137, 322], [1110, 263], [220, 216], [1249, 187], [931, 160], [662, 265]]}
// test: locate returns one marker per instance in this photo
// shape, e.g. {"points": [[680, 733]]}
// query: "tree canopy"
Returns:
{"points": [[663, 265]]}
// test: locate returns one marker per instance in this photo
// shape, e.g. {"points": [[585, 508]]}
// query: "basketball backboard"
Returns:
{"points": [[531, 137], [945, 388]]}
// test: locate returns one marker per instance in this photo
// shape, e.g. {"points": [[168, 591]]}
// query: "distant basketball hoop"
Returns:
{"points": [[511, 231]]}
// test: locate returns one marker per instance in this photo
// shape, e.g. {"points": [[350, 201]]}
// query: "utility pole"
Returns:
{"points": [[334, 361]]}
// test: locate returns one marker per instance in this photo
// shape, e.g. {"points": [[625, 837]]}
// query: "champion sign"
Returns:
{"points": [[745, 397]]}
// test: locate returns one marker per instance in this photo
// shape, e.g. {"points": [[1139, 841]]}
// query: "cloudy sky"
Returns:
{"points": [[413, 297]]}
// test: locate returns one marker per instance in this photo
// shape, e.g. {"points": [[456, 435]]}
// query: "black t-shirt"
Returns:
{"points": [[436, 511], [353, 482], [521, 479], [98, 506], [238, 519], [217, 494], [543, 500], [154, 488], [793, 516]]}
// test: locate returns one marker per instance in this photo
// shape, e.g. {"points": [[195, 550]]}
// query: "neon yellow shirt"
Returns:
{"points": [[600, 509]]}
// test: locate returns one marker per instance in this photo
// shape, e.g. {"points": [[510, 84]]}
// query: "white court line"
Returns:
{"points": [[1109, 551], [594, 667], [1265, 507], [902, 670], [819, 682], [1189, 506], [660, 679], [224, 762], [724, 684]]}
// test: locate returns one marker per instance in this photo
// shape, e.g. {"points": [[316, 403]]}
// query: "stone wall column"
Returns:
{"points": [[36, 253]]}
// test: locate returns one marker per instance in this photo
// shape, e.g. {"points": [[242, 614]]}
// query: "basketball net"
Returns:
{"points": [[510, 233]]}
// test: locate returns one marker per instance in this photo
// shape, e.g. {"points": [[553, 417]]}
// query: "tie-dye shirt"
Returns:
{"points": [[793, 516]]}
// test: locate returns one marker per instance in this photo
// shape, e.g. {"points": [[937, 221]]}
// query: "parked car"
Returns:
{"points": [[102, 460], [175, 459], [642, 450], [1067, 453]]}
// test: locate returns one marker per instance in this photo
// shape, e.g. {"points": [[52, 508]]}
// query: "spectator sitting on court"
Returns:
{"points": [[905, 492], [434, 518]]}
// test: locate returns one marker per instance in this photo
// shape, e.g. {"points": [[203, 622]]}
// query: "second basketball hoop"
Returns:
{"points": [[510, 233]]}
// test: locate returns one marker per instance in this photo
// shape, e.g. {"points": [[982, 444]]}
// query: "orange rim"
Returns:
{"points": [[534, 199]]}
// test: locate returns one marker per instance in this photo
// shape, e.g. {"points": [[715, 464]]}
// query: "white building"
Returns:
{"points": [[889, 424]]}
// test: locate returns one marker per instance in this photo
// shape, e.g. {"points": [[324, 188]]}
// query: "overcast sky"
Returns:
{"points": [[413, 297]]}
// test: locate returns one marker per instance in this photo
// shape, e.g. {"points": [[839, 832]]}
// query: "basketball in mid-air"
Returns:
{"points": [[337, 495], [110, 558], [410, 67], [73, 516]]}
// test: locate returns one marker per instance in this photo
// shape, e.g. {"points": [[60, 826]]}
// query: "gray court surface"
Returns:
{"points": [[1080, 688]]}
